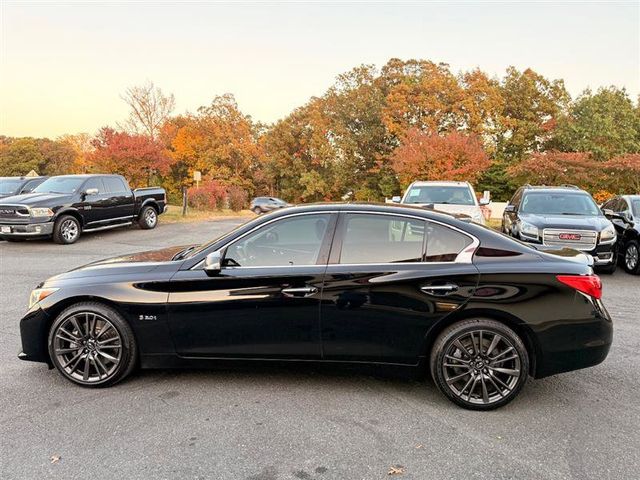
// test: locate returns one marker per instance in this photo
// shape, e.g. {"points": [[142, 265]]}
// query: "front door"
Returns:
{"points": [[265, 301], [390, 279]]}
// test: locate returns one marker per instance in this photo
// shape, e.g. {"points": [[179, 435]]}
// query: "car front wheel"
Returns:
{"points": [[66, 230], [479, 364], [631, 257], [91, 345], [257, 210]]}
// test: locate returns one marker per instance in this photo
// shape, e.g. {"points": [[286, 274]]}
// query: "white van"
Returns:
{"points": [[450, 197]]}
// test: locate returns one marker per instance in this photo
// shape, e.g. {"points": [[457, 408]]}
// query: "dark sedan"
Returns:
{"points": [[334, 283]]}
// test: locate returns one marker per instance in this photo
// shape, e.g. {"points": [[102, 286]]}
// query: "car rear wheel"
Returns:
{"points": [[66, 230], [479, 364], [148, 218], [91, 345], [632, 257], [257, 210]]}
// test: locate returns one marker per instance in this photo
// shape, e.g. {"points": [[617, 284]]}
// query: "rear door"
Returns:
{"points": [[121, 206], [390, 278]]}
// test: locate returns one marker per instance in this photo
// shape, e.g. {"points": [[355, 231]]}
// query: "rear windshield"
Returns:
{"points": [[440, 194], [60, 185], [559, 204], [9, 185]]}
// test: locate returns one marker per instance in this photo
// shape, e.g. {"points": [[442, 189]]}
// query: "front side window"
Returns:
{"points": [[290, 241], [559, 204], [444, 244], [381, 239], [95, 182]]}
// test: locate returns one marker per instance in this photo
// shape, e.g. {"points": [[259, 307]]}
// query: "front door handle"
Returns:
{"points": [[441, 290], [299, 291]]}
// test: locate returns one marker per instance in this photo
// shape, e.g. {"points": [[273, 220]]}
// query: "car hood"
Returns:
{"points": [[141, 262], [450, 208], [37, 199], [578, 222]]}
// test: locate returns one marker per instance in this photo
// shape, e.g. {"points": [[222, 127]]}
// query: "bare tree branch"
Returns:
{"points": [[150, 107]]}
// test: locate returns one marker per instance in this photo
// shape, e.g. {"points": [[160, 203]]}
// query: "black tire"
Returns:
{"points": [[257, 210], [454, 373], [66, 230], [631, 257], [119, 333], [608, 269], [148, 218]]}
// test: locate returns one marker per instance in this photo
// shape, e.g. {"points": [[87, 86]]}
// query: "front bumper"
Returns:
{"points": [[34, 328], [26, 229]]}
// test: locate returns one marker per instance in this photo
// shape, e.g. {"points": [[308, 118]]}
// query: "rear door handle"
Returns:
{"points": [[441, 290], [299, 291]]}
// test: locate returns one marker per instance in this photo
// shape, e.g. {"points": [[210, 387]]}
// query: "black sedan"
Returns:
{"points": [[333, 283]]}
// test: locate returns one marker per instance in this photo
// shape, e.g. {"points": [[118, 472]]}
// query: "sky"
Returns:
{"points": [[63, 65]]}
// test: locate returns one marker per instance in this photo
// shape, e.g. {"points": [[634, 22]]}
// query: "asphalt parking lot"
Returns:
{"points": [[304, 423]]}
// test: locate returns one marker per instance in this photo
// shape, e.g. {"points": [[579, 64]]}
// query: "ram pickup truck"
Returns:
{"points": [[65, 206]]}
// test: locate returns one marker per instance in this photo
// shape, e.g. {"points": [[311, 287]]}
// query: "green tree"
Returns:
{"points": [[21, 155], [606, 124]]}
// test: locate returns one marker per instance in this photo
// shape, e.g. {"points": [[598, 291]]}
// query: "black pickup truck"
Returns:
{"points": [[65, 206]]}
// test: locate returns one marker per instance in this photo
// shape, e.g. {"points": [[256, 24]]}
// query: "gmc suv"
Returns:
{"points": [[562, 217]]}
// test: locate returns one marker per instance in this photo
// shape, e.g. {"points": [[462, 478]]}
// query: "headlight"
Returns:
{"points": [[608, 235], [40, 294], [528, 230], [41, 212]]}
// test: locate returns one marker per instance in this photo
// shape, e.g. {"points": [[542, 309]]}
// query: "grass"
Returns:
{"points": [[495, 223], [174, 214]]}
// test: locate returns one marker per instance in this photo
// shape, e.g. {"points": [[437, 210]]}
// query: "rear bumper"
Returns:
{"points": [[575, 344], [26, 229]]}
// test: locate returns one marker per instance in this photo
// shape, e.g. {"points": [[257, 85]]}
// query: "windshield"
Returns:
{"points": [[635, 207], [9, 186], [559, 204], [440, 194], [60, 185]]}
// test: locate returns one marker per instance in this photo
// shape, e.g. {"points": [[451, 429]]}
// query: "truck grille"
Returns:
{"points": [[10, 212], [577, 239]]}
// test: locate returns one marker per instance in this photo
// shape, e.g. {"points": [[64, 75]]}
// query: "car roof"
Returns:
{"points": [[440, 183], [87, 175], [554, 188]]}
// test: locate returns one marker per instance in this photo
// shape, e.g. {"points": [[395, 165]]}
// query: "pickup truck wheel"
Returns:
{"points": [[148, 218], [66, 230]]}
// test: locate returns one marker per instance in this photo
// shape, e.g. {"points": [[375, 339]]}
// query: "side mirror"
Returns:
{"points": [[484, 201], [396, 199], [213, 263], [608, 212], [91, 191], [510, 208]]}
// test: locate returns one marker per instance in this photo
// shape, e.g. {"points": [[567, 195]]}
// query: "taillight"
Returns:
{"points": [[587, 284]]}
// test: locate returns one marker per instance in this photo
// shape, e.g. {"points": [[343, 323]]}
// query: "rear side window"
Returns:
{"points": [[381, 239], [444, 244], [114, 185]]}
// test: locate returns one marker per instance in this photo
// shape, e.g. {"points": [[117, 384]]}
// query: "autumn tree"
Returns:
{"points": [[81, 145], [622, 174], [605, 123], [136, 157], [19, 156], [428, 156], [557, 168], [150, 108]]}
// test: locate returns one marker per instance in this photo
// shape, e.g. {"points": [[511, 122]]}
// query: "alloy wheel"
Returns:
{"points": [[69, 230], [481, 367], [631, 257], [150, 217], [87, 347]]}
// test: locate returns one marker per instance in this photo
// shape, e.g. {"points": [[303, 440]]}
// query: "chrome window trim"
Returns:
{"points": [[465, 256]]}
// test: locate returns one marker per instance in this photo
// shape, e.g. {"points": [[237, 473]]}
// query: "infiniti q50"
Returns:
{"points": [[341, 283]]}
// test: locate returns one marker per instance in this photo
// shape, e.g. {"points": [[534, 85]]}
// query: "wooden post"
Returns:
{"points": [[184, 201]]}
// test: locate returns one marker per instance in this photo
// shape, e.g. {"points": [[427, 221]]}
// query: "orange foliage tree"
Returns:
{"points": [[623, 174], [136, 157], [423, 156], [556, 168]]}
